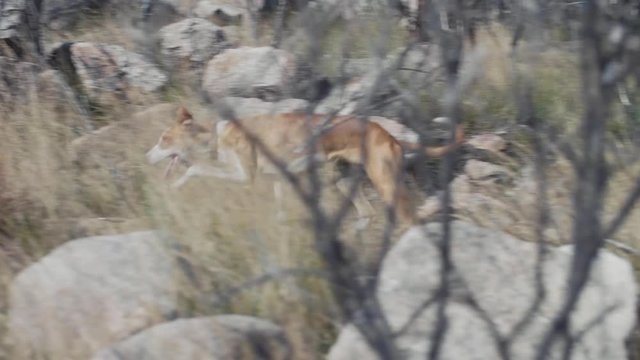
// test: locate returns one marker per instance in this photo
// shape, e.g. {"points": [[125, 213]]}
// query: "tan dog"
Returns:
{"points": [[286, 136]]}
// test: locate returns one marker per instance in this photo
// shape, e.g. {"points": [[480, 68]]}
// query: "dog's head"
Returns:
{"points": [[178, 141]]}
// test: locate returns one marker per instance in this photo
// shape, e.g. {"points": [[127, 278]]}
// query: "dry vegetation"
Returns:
{"points": [[57, 184]]}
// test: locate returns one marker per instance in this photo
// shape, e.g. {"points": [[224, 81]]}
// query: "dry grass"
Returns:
{"points": [[63, 186], [56, 185], [491, 102]]}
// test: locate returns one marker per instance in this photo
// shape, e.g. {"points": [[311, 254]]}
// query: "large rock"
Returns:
{"points": [[396, 129], [91, 292], [247, 107], [226, 337], [61, 14], [481, 170], [491, 143], [19, 36], [18, 81], [27, 91], [499, 272], [191, 43], [108, 74], [262, 72], [358, 83], [221, 13], [343, 99]]}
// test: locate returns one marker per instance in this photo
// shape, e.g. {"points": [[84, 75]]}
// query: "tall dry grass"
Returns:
{"points": [[58, 183]]}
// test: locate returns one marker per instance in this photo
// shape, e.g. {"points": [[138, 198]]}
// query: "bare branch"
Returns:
{"points": [[426, 304], [624, 211], [592, 174]]}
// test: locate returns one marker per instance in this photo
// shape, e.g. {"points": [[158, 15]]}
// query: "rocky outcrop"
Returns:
{"points": [[221, 13], [498, 272], [108, 74], [26, 90], [223, 337], [363, 85], [246, 107], [493, 193], [91, 292], [189, 44], [18, 81], [480, 170], [62, 14], [19, 36], [261, 72], [491, 143]]}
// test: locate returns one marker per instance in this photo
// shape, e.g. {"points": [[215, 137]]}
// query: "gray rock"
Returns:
{"points": [[417, 68], [11, 13], [475, 201], [344, 99], [247, 107], [24, 87], [396, 129], [191, 43], [499, 272], [151, 15], [18, 81], [488, 142], [220, 13], [19, 30], [108, 74], [62, 14], [226, 337], [361, 94], [262, 72], [481, 170], [89, 293], [104, 66], [183, 7]]}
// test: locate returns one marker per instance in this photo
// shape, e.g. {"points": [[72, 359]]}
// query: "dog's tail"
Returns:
{"points": [[437, 151]]}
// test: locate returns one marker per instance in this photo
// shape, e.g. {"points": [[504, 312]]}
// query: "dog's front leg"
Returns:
{"points": [[229, 167], [363, 206], [222, 172]]}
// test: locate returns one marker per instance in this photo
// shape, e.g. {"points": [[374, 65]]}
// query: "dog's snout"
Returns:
{"points": [[155, 154]]}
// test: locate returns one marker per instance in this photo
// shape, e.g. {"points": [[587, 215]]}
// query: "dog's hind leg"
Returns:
{"points": [[302, 163], [384, 170], [359, 201], [278, 193]]}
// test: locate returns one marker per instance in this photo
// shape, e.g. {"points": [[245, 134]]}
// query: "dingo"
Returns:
{"points": [[286, 135]]}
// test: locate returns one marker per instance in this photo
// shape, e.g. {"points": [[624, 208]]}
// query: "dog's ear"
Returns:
{"points": [[184, 116]]}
